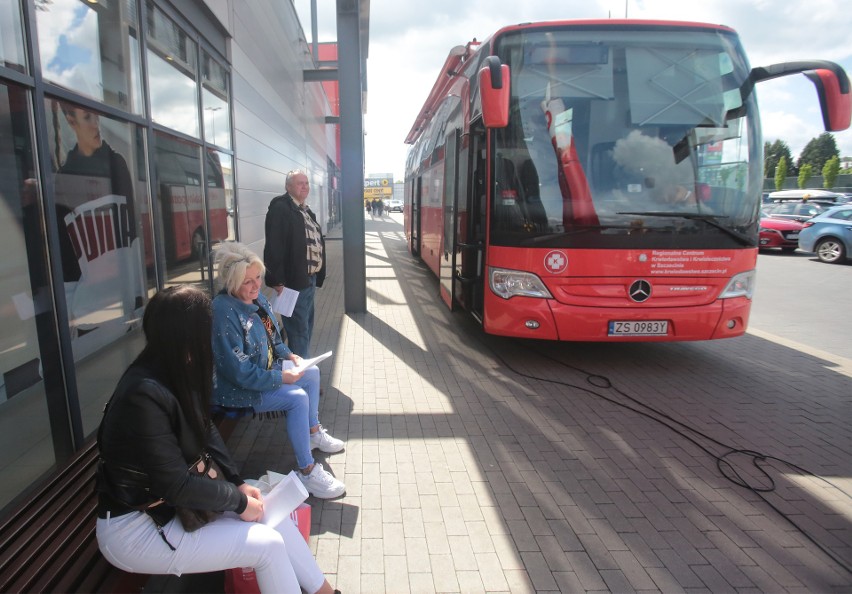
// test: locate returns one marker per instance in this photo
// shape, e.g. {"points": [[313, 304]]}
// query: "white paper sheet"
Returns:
{"points": [[287, 364], [284, 302], [284, 497]]}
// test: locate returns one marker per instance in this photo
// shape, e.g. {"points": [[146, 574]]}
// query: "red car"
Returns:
{"points": [[779, 233]]}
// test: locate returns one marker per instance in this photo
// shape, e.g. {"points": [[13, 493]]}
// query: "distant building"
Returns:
{"points": [[378, 185]]}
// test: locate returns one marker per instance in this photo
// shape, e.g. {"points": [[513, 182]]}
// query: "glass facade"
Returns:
{"points": [[27, 306], [92, 48], [11, 36], [214, 98], [101, 195], [102, 202], [172, 60]]}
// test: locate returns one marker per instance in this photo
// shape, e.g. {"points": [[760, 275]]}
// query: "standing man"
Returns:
{"points": [[294, 256]]}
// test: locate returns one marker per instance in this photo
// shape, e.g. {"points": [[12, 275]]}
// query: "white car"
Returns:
{"points": [[393, 205]]}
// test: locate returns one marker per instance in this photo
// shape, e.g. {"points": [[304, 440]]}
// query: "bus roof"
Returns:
{"points": [[447, 78], [614, 24]]}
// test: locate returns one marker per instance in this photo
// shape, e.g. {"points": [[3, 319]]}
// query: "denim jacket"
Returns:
{"points": [[240, 352]]}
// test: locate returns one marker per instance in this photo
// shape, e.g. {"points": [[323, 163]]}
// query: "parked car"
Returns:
{"points": [[800, 205], [779, 233], [807, 194], [829, 234], [795, 210], [393, 205]]}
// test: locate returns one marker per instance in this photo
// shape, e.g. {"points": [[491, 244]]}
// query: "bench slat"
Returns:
{"points": [[48, 542]]}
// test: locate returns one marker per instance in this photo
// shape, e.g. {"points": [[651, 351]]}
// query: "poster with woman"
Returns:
{"points": [[95, 192]]}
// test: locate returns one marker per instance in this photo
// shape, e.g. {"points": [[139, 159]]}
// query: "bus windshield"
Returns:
{"points": [[620, 138]]}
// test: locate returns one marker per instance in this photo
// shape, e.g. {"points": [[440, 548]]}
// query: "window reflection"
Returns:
{"points": [[95, 189], [227, 163], [106, 250], [11, 36], [181, 200], [214, 96], [26, 450], [172, 65], [92, 48]]}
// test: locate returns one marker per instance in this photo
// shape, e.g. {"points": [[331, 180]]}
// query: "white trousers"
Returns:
{"points": [[279, 555]]}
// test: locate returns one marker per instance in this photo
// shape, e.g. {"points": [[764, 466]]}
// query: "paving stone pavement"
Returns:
{"points": [[484, 464]]}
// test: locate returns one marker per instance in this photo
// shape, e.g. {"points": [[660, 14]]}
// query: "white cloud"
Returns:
{"points": [[410, 40]]}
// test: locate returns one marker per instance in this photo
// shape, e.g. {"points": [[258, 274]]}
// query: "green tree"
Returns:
{"points": [[830, 171], [772, 153], [818, 151], [780, 173], [805, 172]]}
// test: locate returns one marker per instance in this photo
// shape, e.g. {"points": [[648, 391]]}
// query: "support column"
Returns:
{"points": [[350, 76]]}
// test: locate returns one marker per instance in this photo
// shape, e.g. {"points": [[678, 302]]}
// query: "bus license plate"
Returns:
{"points": [[638, 328]]}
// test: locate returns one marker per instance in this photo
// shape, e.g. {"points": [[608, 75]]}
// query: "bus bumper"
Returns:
{"points": [[547, 319]]}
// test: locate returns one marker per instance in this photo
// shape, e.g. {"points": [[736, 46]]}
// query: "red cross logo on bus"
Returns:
{"points": [[556, 262]]}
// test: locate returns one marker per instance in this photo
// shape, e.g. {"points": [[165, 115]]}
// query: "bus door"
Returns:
{"points": [[417, 189], [447, 262], [471, 229]]}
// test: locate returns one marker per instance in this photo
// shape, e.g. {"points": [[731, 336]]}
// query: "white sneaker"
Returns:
{"points": [[321, 484], [325, 442]]}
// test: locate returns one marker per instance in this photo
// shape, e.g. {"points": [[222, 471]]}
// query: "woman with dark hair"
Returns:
{"points": [[155, 427]]}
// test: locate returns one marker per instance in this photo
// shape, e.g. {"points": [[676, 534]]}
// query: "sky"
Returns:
{"points": [[409, 41]]}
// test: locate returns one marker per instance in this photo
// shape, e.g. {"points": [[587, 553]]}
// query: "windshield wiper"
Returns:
{"points": [[711, 220]]}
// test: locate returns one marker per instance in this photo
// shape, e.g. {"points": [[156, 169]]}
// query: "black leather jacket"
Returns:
{"points": [[285, 250], [146, 447]]}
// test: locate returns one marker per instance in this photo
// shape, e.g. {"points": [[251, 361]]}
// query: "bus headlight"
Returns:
{"points": [[742, 285], [512, 283]]}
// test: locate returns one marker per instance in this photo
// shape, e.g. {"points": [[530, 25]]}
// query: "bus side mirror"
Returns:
{"points": [[831, 82], [834, 98], [494, 91]]}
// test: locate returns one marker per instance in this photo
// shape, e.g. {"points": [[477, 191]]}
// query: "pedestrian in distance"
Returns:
{"points": [[153, 430], [294, 256], [252, 375]]}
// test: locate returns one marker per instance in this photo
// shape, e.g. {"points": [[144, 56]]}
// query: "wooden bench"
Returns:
{"points": [[48, 543]]}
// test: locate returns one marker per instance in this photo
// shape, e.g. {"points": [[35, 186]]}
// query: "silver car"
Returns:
{"points": [[393, 205]]}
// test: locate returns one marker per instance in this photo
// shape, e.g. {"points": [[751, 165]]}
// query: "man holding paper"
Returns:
{"points": [[255, 371], [294, 255]]}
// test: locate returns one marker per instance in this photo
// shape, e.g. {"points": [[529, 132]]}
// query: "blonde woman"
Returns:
{"points": [[248, 353]]}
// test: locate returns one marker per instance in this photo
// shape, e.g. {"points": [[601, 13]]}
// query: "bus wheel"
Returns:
{"points": [[198, 244]]}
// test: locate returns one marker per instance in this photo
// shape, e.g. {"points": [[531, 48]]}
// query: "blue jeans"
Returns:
{"points": [[300, 325], [301, 403]]}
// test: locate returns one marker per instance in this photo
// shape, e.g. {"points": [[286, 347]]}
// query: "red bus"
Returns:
{"points": [[598, 180], [179, 171]]}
